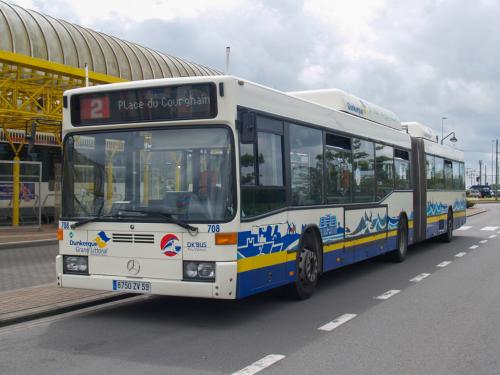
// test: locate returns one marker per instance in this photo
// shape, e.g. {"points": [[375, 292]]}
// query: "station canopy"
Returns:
{"points": [[41, 57]]}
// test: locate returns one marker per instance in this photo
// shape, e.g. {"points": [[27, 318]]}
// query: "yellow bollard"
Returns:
{"points": [[16, 169]]}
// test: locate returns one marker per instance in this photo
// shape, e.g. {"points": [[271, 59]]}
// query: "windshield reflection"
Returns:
{"points": [[186, 173]]}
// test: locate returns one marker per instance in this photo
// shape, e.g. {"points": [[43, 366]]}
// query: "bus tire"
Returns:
{"points": [[448, 236], [308, 264], [399, 254]]}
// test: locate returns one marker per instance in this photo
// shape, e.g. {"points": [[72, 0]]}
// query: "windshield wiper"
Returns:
{"points": [[169, 217], [90, 220]]}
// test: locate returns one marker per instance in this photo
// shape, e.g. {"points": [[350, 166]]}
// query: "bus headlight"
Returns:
{"points": [[199, 271], [75, 265]]}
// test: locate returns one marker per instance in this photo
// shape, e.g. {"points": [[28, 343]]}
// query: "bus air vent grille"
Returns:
{"points": [[144, 238], [123, 237]]}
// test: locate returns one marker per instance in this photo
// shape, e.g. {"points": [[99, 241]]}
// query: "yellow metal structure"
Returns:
{"points": [[33, 88], [41, 57]]}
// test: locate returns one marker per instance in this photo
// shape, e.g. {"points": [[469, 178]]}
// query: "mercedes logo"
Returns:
{"points": [[133, 266]]}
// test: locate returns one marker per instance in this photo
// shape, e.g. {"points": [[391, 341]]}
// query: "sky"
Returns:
{"points": [[423, 60]]}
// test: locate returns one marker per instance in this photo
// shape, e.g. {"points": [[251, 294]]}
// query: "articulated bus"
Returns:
{"points": [[218, 187]]}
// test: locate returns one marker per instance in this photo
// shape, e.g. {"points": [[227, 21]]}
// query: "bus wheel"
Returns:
{"points": [[448, 236], [399, 254], [307, 274]]}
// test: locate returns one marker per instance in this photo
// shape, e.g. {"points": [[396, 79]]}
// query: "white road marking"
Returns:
{"points": [[473, 247], [483, 241], [465, 227], [443, 264], [492, 236], [260, 365], [460, 255], [337, 322], [388, 294], [491, 229], [420, 277]]}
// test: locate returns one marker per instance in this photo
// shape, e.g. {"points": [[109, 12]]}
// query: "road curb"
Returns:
{"points": [[33, 243], [57, 309], [477, 213]]}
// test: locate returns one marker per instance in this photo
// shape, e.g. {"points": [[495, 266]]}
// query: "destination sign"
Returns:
{"points": [[166, 103]]}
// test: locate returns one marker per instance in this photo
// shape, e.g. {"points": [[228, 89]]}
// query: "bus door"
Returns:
{"points": [[419, 183]]}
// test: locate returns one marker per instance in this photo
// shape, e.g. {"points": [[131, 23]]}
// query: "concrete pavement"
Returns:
{"points": [[27, 281], [15, 237], [444, 323], [28, 265]]}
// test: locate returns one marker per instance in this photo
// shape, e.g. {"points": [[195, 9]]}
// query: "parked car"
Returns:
{"points": [[473, 193], [484, 190]]}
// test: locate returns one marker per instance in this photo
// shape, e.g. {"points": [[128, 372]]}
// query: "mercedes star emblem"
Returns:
{"points": [[133, 266]]}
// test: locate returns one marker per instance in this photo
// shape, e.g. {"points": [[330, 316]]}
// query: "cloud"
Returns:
{"points": [[421, 59]]}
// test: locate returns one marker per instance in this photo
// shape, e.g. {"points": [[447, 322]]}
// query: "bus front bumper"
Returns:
{"points": [[224, 286]]}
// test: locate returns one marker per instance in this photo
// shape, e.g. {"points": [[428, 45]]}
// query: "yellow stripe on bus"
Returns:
{"points": [[265, 260], [459, 214], [433, 219]]}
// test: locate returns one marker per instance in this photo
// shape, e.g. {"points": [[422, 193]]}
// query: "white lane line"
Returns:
{"points": [[337, 322], [260, 365], [491, 229], [492, 236], [420, 277], [465, 227], [388, 294], [483, 241], [460, 255], [443, 264], [473, 247]]}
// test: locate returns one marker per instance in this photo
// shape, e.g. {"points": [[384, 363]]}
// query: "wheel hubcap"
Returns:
{"points": [[309, 265]]}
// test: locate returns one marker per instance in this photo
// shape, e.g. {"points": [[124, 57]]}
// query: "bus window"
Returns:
{"points": [[306, 158], [402, 169], [384, 165], [247, 164], [338, 157], [364, 171], [270, 159], [448, 175], [456, 175], [263, 191], [439, 173], [429, 171]]}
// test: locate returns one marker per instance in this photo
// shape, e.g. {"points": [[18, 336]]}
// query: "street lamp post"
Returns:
{"points": [[453, 139], [442, 128]]}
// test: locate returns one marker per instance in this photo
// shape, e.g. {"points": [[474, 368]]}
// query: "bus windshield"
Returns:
{"points": [[184, 173]]}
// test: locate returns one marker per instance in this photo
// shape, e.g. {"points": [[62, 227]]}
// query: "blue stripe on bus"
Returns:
{"points": [[265, 278]]}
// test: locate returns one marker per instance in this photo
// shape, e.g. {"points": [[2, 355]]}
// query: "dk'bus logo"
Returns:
{"points": [[170, 245]]}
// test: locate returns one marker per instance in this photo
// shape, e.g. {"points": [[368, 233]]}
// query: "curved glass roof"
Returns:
{"points": [[33, 34]]}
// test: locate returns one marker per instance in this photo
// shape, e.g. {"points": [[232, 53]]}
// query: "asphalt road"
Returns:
{"points": [[446, 323]]}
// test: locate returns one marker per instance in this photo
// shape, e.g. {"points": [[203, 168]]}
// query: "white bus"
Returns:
{"points": [[221, 188]]}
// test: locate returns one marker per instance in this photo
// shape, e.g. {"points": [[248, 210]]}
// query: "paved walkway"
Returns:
{"points": [[29, 303], [26, 236]]}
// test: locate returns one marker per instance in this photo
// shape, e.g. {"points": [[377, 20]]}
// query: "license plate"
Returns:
{"points": [[132, 286]]}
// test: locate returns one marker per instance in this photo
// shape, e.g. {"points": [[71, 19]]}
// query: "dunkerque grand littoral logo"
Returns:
{"points": [[170, 245], [101, 239]]}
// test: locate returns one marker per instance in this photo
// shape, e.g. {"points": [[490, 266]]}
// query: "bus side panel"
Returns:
{"points": [[366, 231], [438, 203], [266, 254]]}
